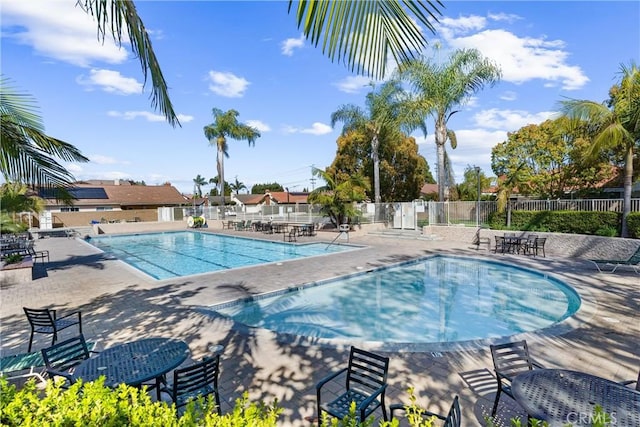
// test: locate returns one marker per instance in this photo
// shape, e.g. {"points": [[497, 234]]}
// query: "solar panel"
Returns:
{"points": [[77, 193]]}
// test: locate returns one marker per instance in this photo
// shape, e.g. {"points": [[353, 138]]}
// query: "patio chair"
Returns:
{"points": [[509, 360], [45, 321], [500, 246], [529, 244], [35, 255], [537, 246], [366, 384], [633, 262], [199, 379], [452, 419], [61, 358]]}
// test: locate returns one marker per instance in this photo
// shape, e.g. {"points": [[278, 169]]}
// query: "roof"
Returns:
{"points": [[123, 195], [276, 197]]}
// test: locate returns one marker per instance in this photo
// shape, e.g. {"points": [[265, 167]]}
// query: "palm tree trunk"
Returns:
{"points": [[628, 179], [220, 159], [441, 138], [376, 168]]}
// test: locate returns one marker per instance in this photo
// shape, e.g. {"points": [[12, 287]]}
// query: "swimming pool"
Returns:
{"points": [[430, 300], [183, 253]]}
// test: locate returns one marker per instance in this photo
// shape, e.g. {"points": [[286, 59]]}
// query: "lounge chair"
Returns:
{"points": [[14, 366], [633, 262]]}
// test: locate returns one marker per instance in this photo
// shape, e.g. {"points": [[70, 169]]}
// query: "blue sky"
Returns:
{"points": [[251, 57]]}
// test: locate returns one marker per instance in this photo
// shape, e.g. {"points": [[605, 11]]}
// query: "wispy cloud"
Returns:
{"points": [[58, 30], [353, 84], [110, 81], [509, 119], [290, 44], [105, 160], [227, 84], [316, 128], [260, 126]]}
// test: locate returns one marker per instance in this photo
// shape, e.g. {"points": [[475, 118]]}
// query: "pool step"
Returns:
{"points": [[404, 234]]}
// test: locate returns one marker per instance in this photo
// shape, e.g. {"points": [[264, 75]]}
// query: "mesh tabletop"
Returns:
{"points": [[561, 396], [135, 362]]}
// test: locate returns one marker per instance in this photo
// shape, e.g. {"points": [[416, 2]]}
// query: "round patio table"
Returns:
{"points": [[135, 362], [568, 397]]}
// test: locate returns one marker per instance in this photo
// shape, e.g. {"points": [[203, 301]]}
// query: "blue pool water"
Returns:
{"points": [[183, 253], [436, 299]]}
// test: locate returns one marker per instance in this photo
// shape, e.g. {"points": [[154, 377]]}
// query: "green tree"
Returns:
{"points": [[361, 33], [236, 186], [440, 88], [262, 188], [385, 112], [14, 199], [225, 125], [468, 188], [27, 153], [215, 191], [614, 124], [198, 182], [404, 170], [336, 198], [549, 159]]}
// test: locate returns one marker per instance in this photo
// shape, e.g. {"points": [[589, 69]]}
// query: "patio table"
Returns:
{"points": [[562, 396], [134, 363]]}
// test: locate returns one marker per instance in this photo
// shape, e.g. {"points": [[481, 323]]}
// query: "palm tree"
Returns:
{"points": [[336, 198], [198, 182], [442, 87], [225, 125], [236, 186], [615, 125], [361, 33], [386, 112], [27, 152]]}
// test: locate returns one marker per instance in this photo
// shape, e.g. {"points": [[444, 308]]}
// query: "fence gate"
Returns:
{"points": [[404, 216]]}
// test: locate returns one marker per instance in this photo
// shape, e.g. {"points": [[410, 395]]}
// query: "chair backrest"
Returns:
{"points": [[454, 417], [512, 358], [198, 379], [367, 372], [66, 354], [39, 317], [540, 241]]}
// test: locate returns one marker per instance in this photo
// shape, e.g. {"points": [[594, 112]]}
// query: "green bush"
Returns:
{"points": [[93, 404], [633, 225]]}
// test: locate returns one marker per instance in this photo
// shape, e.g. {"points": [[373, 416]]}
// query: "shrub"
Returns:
{"points": [[633, 224]]}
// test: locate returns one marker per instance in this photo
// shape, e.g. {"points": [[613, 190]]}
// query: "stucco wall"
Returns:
{"points": [[558, 244]]}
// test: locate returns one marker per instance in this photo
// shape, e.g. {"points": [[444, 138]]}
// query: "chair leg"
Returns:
{"points": [[495, 404], [30, 341]]}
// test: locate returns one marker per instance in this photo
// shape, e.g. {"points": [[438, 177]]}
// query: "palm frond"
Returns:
{"points": [[112, 17], [364, 33]]}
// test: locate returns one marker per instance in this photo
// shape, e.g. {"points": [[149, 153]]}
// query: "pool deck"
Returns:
{"points": [[119, 304]]}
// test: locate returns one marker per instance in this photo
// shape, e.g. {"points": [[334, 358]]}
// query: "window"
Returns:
{"points": [[69, 209], [104, 208]]}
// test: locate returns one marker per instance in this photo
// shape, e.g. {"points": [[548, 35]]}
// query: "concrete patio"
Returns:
{"points": [[119, 304]]}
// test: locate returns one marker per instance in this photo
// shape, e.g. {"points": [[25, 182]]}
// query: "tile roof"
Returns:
{"points": [[131, 195]]}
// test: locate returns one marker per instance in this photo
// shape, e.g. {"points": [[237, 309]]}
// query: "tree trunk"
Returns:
{"points": [[628, 179], [376, 168], [221, 174], [441, 138]]}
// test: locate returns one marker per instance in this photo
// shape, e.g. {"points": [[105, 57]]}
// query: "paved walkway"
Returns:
{"points": [[118, 304]]}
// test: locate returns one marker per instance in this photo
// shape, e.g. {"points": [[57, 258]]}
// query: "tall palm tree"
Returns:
{"points": [[236, 186], [442, 87], [225, 125], [361, 33], [385, 112], [615, 125], [27, 154], [198, 182]]}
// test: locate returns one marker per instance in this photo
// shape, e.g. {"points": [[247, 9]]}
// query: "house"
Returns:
{"points": [[253, 203], [112, 201]]}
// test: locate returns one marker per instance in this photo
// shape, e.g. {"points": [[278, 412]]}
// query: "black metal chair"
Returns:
{"points": [[452, 419], [500, 246], [199, 379], [45, 321], [366, 384], [538, 245], [61, 358], [509, 360]]}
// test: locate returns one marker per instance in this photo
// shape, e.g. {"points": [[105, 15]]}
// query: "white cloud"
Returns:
{"points": [[353, 84], [290, 44], [111, 81], [227, 84], [74, 168], [184, 118], [316, 128], [509, 96], [509, 119], [58, 30], [130, 115], [102, 160], [260, 126], [521, 59], [507, 17]]}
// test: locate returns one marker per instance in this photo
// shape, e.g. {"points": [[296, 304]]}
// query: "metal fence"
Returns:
{"points": [[403, 215]]}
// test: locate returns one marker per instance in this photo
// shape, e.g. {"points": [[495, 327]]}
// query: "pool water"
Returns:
{"points": [[435, 299], [184, 253]]}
